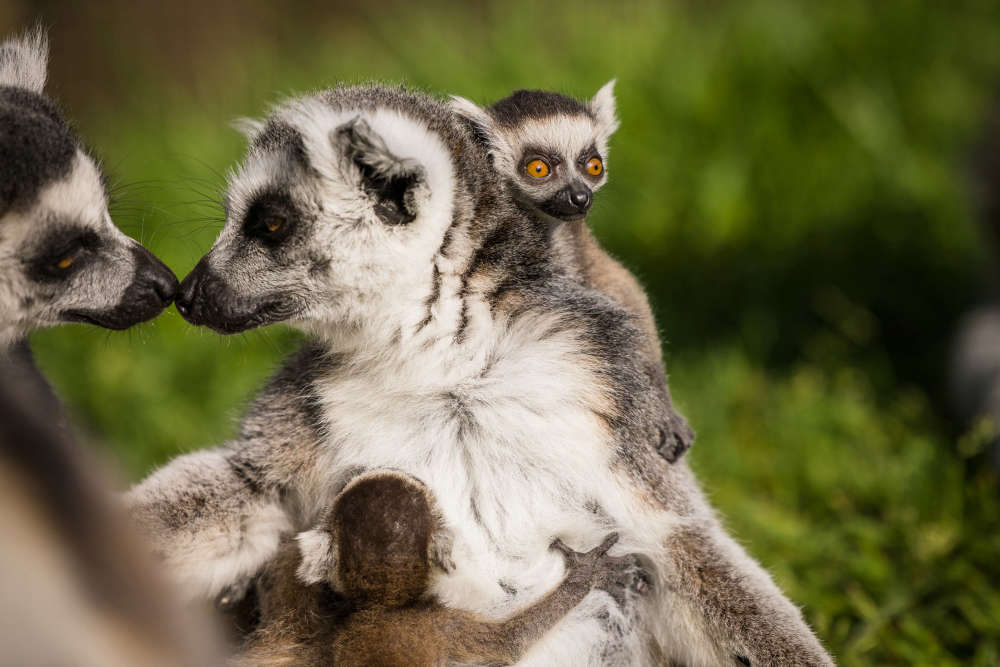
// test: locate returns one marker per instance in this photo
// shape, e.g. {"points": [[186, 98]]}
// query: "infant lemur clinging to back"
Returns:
{"points": [[552, 150], [373, 549]]}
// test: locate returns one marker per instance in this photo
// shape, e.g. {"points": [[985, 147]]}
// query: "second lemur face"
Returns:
{"points": [[61, 257], [551, 149]]}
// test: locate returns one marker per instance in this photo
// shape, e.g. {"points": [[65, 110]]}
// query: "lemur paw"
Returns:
{"points": [[623, 578], [233, 594], [673, 440]]}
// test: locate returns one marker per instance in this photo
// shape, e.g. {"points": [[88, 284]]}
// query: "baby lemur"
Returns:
{"points": [[366, 601], [552, 150]]}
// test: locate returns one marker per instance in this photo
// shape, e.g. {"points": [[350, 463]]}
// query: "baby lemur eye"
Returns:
{"points": [[66, 262], [274, 224], [594, 166], [538, 168]]}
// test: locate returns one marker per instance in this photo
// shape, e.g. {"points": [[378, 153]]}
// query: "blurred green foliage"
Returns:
{"points": [[789, 181]]}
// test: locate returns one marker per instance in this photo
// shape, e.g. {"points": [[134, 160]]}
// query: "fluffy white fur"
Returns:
{"points": [[24, 60]]}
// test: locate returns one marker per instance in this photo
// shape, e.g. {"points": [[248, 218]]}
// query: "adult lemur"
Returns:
{"points": [[77, 587], [553, 150], [355, 592], [451, 340], [61, 257]]}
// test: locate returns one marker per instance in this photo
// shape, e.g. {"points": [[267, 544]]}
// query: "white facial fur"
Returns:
{"points": [[563, 136], [75, 204], [344, 265]]}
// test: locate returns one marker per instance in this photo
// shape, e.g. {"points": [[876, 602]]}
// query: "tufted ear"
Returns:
{"points": [[481, 121], [24, 60], [390, 180], [603, 107], [248, 127], [319, 556]]}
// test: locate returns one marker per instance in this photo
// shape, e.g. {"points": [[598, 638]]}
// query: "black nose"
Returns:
{"points": [[165, 285], [187, 294], [581, 199], [154, 275]]}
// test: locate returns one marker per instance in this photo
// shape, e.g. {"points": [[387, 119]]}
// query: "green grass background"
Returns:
{"points": [[789, 180]]}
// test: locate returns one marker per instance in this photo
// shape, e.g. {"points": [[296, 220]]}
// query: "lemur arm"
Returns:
{"points": [[735, 611], [472, 639], [210, 518]]}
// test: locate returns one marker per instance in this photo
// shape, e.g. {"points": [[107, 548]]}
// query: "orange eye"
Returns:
{"points": [[65, 262], [274, 224], [594, 166], [537, 168]]}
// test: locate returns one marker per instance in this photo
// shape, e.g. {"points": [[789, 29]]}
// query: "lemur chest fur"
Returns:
{"points": [[511, 443]]}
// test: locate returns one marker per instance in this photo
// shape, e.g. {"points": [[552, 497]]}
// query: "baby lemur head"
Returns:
{"points": [[373, 547], [552, 149], [61, 257]]}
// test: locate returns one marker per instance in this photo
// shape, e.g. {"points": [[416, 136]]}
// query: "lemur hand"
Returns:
{"points": [[616, 575]]}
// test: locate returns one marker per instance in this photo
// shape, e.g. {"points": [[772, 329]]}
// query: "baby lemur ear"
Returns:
{"points": [[478, 117], [390, 180], [319, 556], [603, 107], [24, 60]]}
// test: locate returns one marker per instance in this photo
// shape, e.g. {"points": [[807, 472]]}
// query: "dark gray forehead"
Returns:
{"points": [[433, 113], [534, 104], [36, 146]]}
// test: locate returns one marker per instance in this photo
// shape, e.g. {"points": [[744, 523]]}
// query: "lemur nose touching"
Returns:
{"points": [[474, 458]]}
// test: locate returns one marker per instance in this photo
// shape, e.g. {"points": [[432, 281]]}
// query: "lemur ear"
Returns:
{"points": [[481, 121], [24, 60], [248, 127], [603, 108], [391, 180], [319, 557]]}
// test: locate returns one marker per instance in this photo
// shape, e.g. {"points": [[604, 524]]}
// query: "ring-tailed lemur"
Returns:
{"points": [[373, 549], [553, 152], [61, 257], [448, 339]]}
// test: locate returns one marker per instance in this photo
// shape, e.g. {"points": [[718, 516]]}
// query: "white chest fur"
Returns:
{"points": [[511, 443]]}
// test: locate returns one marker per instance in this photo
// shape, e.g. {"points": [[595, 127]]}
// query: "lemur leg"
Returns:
{"points": [[211, 518], [506, 642], [724, 609]]}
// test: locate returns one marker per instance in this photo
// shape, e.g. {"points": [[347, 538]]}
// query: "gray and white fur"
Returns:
{"points": [[552, 151], [61, 257], [449, 340]]}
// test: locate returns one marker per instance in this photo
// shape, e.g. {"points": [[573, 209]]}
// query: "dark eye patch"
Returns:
{"points": [[76, 244], [271, 218]]}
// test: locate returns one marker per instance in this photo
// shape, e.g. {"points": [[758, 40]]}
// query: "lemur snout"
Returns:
{"points": [[158, 277]]}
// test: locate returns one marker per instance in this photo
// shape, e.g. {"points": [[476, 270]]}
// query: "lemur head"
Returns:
{"points": [[336, 213], [552, 149], [374, 545], [61, 257]]}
